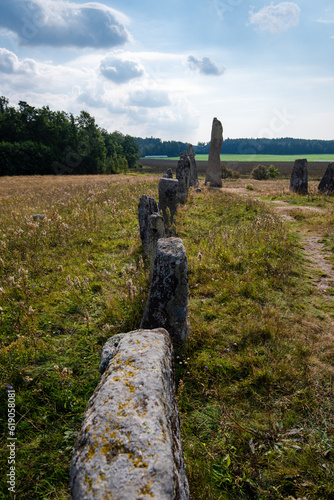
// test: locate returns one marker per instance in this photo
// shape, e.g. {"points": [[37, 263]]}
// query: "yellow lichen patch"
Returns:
{"points": [[130, 386], [88, 481], [146, 490], [91, 451]]}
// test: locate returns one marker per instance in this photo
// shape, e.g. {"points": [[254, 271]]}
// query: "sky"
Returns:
{"points": [[165, 69]]}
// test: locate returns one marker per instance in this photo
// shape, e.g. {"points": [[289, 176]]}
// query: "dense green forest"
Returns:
{"points": [[41, 141], [285, 146]]}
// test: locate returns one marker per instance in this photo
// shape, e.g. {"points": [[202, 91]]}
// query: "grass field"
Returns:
{"points": [[260, 158], [255, 384]]}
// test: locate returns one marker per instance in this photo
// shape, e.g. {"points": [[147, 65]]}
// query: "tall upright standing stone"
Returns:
{"points": [[183, 176], [151, 226], [167, 304], [168, 189], [193, 167], [326, 184], [299, 177], [213, 171]]}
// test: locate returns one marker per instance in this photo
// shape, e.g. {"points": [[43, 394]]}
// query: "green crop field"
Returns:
{"points": [[260, 158]]}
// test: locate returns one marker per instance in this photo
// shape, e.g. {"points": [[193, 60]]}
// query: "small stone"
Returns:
{"points": [[38, 217]]}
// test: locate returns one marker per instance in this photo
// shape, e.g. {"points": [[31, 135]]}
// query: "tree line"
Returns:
{"points": [[283, 146], [44, 142]]}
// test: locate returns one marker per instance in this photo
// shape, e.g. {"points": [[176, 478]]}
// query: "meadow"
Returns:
{"points": [[255, 383]]}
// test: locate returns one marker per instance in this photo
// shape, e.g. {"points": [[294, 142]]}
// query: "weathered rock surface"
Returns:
{"points": [[326, 184], [213, 172], [151, 226], [129, 446], [193, 167], [167, 304], [168, 189], [299, 177], [169, 173], [183, 176]]}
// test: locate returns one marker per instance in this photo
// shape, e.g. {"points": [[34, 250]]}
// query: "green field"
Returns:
{"points": [[260, 158]]}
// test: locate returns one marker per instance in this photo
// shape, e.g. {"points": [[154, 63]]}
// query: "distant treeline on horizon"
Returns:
{"points": [[283, 146]]}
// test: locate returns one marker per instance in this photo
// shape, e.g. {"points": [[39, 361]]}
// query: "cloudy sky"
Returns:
{"points": [[166, 68]]}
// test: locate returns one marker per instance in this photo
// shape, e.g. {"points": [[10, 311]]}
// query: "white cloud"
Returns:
{"points": [[205, 66], [149, 98], [120, 71], [9, 63], [276, 18], [64, 24]]}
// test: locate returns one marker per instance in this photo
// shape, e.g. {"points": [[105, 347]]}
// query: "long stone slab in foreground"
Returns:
{"points": [[129, 446]]}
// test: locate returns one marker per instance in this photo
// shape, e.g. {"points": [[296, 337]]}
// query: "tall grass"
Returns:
{"points": [[254, 386], [68, 282], [257, 416]]}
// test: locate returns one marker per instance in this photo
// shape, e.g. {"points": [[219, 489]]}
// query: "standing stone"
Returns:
{"points": [[213, 171], [168, 189], [151, 226], [299, 177], [193, 167], [183, 176], [129, 446], [167, 304], [326, 184]]}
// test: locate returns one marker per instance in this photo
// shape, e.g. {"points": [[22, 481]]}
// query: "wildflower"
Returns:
{"points": [[90, 241], [206, 367], [69, 281], [77, 281]]}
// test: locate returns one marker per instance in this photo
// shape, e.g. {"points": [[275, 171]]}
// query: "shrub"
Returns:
{"points": [[228, 172], [259, 173], [272, 173]]}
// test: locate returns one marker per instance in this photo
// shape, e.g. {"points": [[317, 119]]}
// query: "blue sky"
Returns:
{"points": [[165, 69]]}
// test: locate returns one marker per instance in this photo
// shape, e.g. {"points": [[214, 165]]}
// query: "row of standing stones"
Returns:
{"points": [[129, 446], [299, 178]]}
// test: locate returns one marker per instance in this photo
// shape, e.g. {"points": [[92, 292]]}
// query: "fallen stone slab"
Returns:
{"points": [[129, 446], [167, 304]]}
